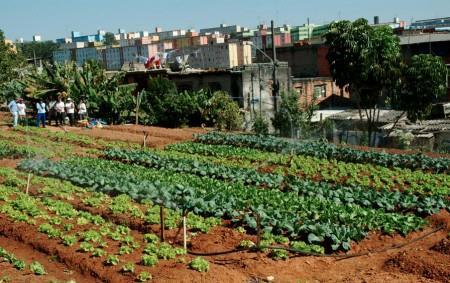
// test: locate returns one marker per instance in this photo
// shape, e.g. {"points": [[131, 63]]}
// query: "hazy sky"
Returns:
{"points": [[56, 18]]}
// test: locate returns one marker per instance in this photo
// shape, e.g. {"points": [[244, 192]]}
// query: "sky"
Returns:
{"points": [[57, 18]]}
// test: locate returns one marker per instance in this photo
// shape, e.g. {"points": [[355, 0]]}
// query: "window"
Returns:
{"points": [[320, 91], [299, 89]]}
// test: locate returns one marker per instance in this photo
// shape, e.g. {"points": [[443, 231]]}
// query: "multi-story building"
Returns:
{"points": [[302, 32], [218, 56], [437, 24], [113, 58], [223, 29], [77, 37], [37, 38], [62, 56], [171, 34], [84, 54]]}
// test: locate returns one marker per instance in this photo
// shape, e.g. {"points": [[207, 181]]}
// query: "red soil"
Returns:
{"points": [[55, 270]]}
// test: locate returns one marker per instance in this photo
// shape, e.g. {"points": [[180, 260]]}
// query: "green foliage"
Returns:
{"points": [[109, 39], [260, 126], [329, 151], [199, 264], [98, 252], [279, 254], [222, 112], [86, 247], [37, 268], [163, 105], [128, 267], [425, 84], [43, 50], [69, 240], [9, 61], [291, 117], [304, 247], [367, 60], [144, 276], [112, 260], [149, 260], [246, 244]]}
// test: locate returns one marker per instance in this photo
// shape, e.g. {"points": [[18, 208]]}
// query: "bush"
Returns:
{"points": [[260, 126], [223, 113]]}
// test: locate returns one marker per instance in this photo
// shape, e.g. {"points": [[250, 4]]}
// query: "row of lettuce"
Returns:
{"points": [[333, 218], [328, 151], [313, 168]]}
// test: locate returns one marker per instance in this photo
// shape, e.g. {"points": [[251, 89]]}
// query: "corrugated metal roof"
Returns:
{"points": [[386, 116]]}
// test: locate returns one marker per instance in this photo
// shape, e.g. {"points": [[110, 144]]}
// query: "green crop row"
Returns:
{"points": [[380, 199], [328, 151], [193, 166], [332, 171], [309, 218]]}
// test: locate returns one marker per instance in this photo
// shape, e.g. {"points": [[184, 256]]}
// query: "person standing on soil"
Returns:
{"points": [[70, 110], [51, 112], [14, 111], [59, 108], [82, 110], [22, 112], [40, 106]]}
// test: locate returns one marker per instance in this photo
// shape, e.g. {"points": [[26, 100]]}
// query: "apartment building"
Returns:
{"points": [[219, 56], [222, 29], [62, 56]]}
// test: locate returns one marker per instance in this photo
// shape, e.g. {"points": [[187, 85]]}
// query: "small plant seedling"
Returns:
{"points": [[199, 264], [112, 260], [144, 276], [37, 268], [128, 267]]}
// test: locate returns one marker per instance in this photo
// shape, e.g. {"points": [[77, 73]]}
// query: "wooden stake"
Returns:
{"points": [[161, 221], [145, 139], [184, 233], [28, 182], [258, 233]]}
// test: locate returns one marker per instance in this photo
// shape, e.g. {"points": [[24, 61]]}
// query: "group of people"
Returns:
{"points": [[57, 111]]}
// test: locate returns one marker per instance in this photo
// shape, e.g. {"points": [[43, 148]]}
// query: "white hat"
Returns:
{"points": [[69, 99]]}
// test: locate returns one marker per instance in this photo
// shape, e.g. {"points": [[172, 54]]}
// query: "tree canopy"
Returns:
{"points": [[10, 61]]}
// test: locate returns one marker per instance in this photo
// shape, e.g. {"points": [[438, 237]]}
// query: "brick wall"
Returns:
{"points": [[305, 88]]}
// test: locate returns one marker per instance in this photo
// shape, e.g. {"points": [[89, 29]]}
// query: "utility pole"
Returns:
{"points": [[275, 85]]}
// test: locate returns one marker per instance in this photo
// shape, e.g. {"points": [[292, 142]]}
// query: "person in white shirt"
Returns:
{"points": [[82, 110], [40, 106], [60, 114], [70, 110], [22, 112]]}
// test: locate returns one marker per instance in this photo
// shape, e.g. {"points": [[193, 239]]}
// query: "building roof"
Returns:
{"points": [[424, 38], [386, 116], [427, 126]]}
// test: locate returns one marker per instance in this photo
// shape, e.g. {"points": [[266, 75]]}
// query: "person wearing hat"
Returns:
{"points": [[14, 111], [70, 110], [59, 107], [22, 112]]}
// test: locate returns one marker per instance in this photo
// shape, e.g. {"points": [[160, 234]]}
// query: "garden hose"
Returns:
{"points": [[337, 256]]}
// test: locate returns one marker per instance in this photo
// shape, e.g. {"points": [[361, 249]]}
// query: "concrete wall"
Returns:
{"points": [[305, 61]]}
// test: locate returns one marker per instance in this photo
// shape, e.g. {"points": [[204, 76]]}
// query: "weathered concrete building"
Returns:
{"points": [[250, 85]]}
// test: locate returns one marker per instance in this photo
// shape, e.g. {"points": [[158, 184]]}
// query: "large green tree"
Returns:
{"points": [[366, 60], [424, 83], [10, 61], [40, 50]]}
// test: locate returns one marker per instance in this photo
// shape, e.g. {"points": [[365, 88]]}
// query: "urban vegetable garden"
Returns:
{"points": [[218, 207]]}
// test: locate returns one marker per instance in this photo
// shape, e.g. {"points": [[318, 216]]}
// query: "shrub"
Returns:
{"points": [[260, 126], [223, 113]]}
